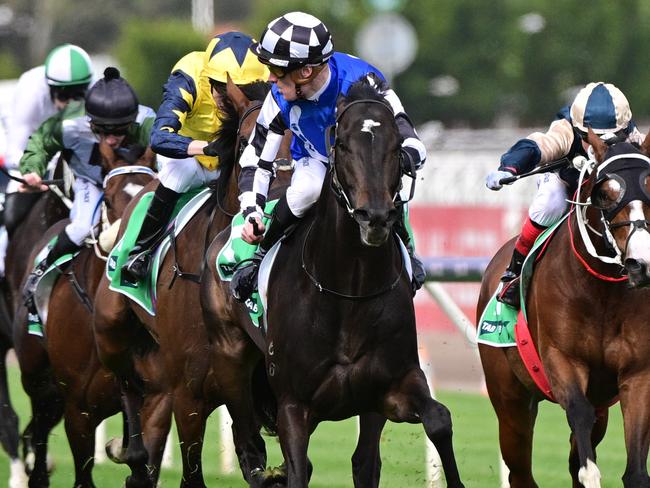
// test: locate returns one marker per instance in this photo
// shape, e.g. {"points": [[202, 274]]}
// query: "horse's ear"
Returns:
{"points": [[108, 155], [645, 145], [600, 148], [340, 103], [148, 158], [236, 96]]}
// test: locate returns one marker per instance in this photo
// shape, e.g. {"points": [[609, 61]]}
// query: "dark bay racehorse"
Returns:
{"points": [[48, 208], [61, 372], [589, 323], [183, 344], [341, 337]]}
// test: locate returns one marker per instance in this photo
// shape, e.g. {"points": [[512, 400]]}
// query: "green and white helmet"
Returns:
{"points": [[68, 65]]}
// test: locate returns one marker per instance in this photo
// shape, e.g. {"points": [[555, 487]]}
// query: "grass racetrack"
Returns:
{"points": [[403, 449]]}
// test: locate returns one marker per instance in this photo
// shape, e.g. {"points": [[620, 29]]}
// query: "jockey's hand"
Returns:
{"points": [[253, 232], [32, 183], [493, 180]]}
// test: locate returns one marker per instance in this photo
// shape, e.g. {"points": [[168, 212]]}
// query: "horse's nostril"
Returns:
{"points": [[633, 266]]}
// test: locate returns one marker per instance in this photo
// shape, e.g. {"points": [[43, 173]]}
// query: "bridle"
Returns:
{"points": [[339, 192]]}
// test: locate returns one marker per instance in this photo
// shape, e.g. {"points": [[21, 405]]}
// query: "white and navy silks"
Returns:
{"points": [[553, 188], [308, 120]]}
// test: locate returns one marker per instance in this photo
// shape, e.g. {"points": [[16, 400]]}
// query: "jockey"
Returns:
{"points": [[186, 131], [40, 93], [308, 77], [599, 106], [111, 115]]}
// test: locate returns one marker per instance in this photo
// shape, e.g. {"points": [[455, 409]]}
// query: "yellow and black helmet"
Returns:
{"points": [[229, 53]]}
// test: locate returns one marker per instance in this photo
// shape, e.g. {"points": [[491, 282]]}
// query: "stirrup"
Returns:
{"points": [[32, 282], [136, 268], [244, 281], [510, 292]]}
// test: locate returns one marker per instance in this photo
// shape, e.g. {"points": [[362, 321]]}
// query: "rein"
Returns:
{"points": [[322, 288]]}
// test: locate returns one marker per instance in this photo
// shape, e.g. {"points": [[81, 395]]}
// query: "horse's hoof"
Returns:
{"points": [[18, 478], [115, 451]]}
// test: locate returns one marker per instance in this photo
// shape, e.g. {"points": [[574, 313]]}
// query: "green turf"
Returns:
{"points": [[403, 451]]}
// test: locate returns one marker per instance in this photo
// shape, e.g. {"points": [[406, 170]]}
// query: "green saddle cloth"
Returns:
{"points": [[144, 292], [237, 250], [496, 327]]}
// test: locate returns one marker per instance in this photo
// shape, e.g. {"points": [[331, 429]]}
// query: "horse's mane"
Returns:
{"points": [[368, 87], [230, 125]]}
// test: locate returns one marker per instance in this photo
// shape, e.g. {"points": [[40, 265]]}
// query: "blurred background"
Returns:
{"points": [[474, 76]]}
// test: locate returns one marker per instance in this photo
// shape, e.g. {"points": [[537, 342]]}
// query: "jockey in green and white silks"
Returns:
{"points": [[39, 94], [110, 114], [599, 106], [308, 77], [185, 133]]}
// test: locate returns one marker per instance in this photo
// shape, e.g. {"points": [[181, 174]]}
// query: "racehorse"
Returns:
{"points": [[182, 341], [341, 338], [63, 376], [586, 314], [48, 208]]}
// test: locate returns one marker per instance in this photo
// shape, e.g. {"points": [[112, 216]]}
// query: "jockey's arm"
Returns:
{"points": [[41, 148], [412, 146], [257, 159], [179, 94]]}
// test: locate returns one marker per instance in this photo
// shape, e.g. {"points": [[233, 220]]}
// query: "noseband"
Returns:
{"points": [[337, 188]]}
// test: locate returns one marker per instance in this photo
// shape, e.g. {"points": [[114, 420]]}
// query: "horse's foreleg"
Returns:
{"points": [[635, 403], [156, 423], [136, 454], [597, 434], [190, 415], [293, 430], [366, 460], [47, 410], [411, 402]]}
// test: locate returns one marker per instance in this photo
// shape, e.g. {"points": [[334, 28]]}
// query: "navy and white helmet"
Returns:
{"points": [[293, 40], [601, 107]]}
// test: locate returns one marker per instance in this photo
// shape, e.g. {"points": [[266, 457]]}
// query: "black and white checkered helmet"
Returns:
{"points": [[293, 40]]}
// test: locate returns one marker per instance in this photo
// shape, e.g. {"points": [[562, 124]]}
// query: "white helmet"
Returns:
{"points": [[601, 107], [68, 65]]}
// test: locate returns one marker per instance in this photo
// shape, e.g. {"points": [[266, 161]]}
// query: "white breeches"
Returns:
{"points": [[306, 183], [182, 175], [549, 204], [84, 213]]}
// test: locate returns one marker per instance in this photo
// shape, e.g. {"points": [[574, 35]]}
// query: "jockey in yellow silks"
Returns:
{"points": [[185, 132]]}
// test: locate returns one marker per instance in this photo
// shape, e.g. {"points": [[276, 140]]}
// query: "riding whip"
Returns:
{"points": [[543, 168]]}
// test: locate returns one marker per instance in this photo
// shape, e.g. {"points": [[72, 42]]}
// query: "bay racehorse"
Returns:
{"points": [[183, 344], [25, 230], [63, 376], [588, 317], [341, 338]]}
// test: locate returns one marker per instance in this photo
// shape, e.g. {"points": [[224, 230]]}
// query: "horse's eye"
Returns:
{"points": [[646, 184], [607, 194]]}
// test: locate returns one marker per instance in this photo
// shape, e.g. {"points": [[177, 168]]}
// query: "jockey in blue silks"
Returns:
{"points": [[599, 106], [308, 76]]}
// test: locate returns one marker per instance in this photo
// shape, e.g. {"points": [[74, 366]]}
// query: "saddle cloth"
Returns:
{"points": [[144, 293]]}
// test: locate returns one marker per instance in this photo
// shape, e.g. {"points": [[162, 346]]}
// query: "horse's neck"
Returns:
{"points": [[334, 243]]}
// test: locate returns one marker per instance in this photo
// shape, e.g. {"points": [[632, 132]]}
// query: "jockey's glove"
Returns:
{"points": [[215, 148], [409, 160], [493, 180]]}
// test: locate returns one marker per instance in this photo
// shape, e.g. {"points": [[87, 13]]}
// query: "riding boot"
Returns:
{"points": [[510, 279], [153, 228], [244, 280], [62, 246], [417, 267]]}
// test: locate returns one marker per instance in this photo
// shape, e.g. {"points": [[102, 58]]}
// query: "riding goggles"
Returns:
{"points": [[110, 129]]}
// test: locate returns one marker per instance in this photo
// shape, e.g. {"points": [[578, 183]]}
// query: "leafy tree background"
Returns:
{"points": [[504, 72]]}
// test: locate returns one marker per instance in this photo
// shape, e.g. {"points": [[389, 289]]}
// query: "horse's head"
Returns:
{"points": [[620, 189], [127, 172], [366, 172]]}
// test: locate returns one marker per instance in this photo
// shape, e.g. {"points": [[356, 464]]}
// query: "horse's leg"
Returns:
{"points": [[156, 423], [366, 460], [9, 436], [80, 430], [115, 331], [47, 411], [411, 402], [635, 404], [597, 434], [190, 414], [293, 430]]}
